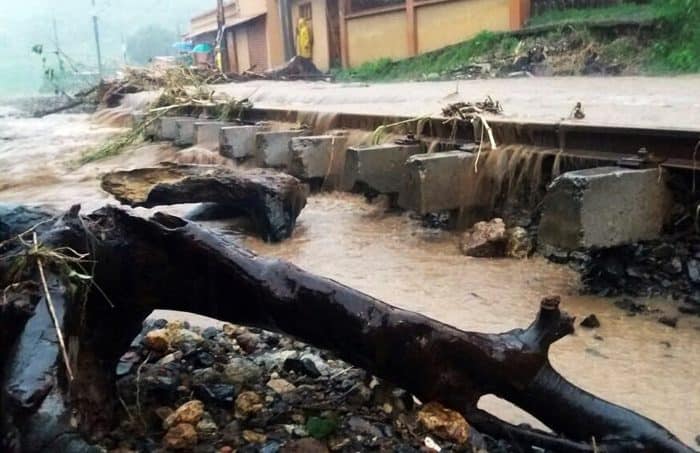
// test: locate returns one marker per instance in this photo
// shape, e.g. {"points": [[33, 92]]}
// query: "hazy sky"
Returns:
{"points": [[24, 23]]}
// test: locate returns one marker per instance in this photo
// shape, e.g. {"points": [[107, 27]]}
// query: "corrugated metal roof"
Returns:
{"points": [[229, 24]]}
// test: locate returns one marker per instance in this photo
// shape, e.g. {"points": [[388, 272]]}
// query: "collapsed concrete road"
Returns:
{"points": [[272, 200]]}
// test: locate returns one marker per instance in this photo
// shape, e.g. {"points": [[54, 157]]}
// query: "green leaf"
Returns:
{"points": [[321, 428]]}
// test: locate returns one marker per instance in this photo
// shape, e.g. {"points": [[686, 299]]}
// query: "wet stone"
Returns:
{"points": [[591, 322]]}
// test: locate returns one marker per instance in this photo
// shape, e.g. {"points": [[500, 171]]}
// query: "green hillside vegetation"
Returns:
{"points": [[670, 43]]}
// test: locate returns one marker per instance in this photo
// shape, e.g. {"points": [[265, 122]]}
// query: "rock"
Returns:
{"points": [[274, 360], [302, 367], [248, 342], [270, 447], [590, 322], [157, 340], [315, 361], [694, 271], [253, 437], [519, 244], [242, 371], [207, 429], [180, 437], [362, 426], [190, 413], [280, 385], [248, 403], [306, 445], [443, 422], [671, 321], [485, 239], [210, 333], [220, 394], [675, 266], [170, 358]]}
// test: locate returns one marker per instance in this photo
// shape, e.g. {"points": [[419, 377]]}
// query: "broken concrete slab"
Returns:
{"points": [[318, 157], [604, 207], [378, 168], [238, 142], [207, 133], [273, 200], [272, 148], [436, 182], [165, 127], [310, 156], [184, 131]]}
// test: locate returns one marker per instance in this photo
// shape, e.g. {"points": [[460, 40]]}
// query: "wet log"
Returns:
{"points": [[271, 199], [169, 263]]}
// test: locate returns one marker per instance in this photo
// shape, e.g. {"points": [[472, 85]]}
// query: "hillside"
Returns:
{"points": [[659, 37]]}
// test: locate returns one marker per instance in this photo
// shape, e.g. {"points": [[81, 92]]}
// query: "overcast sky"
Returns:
{"points": [[24, 23]]}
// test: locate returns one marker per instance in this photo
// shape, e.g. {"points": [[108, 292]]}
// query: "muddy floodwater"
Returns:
{"points": [[633, 361]]}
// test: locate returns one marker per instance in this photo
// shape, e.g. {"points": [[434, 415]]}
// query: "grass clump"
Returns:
{"points": [[451, 58], [653, 11]]}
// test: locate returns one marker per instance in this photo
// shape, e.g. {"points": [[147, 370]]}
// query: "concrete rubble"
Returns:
{"points": [[377, 168], [273, 148], [604, 207]]}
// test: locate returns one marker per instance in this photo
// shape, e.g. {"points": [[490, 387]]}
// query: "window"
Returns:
{"points": [[305, 11]]}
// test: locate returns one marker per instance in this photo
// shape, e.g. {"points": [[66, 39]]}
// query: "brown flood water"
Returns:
{"points": [[638, 363]]}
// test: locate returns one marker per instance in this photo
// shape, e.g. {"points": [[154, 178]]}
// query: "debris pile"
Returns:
{"points": [[249, 390], [652, 268]]}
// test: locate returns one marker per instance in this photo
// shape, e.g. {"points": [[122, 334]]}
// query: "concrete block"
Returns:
{"points": [[206, 133], [184, 131], [436, 182], [320, 156], [272, 148], [604, 207], [379, 168], [165, 127], [237, 142]]}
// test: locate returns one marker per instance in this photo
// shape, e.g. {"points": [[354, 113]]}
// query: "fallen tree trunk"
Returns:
{"points": [[169, 263], [273, 200]]}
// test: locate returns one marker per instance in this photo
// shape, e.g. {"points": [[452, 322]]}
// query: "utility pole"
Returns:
{"points": [[221, 59], [55, 36], [287, 29], [97, 38]]}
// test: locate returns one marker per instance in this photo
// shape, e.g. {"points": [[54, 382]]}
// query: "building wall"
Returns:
{"points": [[275, 45], [372, 37], [319, 25], [257, 44], [241, 38], [441, 24]]}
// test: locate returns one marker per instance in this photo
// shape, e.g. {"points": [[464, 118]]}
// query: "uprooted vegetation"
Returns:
{"points": [[183, 91], [627, 39]]}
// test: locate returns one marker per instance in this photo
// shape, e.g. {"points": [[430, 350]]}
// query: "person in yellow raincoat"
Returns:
{"points": [[305, 39]]}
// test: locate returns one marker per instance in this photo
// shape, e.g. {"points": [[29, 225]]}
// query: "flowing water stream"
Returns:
{"points": [[634, 361]]}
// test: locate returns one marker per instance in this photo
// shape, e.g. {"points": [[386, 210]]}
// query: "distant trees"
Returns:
{"points": [[148, 42]]}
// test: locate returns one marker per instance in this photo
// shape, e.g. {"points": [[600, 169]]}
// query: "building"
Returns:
{"points": [[351, 32]]}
